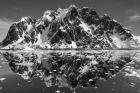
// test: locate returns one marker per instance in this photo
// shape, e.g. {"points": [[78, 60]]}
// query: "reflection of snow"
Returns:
{"points": [[84, 69], [58, 91], [2, 79], [133, 68], [132, 84], [4, 63], [56, 68], [132, 72]]}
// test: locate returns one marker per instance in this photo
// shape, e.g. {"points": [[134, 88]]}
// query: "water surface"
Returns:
{"points": [[70, 71]]}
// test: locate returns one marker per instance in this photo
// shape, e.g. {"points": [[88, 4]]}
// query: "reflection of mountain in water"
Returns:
{"points": [[68, 68]]}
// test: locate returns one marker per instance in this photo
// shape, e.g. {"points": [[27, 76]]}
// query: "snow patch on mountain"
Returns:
{"points": [[69, 28], [119, 43], [85, 27], [137, 39], [28, 48], [39, 41]]}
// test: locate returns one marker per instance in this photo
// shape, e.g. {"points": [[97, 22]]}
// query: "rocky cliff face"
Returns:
{"points": [[68, 28]]}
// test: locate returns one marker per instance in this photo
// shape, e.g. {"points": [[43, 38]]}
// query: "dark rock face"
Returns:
{"points": [[11, 36], [70, 28], [20, 31], [71, 69]]}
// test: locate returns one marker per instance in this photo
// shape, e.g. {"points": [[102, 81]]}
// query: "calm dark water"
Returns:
{"points": [[70, 71]]}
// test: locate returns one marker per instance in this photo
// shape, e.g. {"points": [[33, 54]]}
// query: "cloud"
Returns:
{"points": [[5, 24], [17, 8], [133, 15], [134, 18]]}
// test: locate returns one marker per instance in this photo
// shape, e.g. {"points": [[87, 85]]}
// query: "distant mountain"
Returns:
{"points": [[69, 28]]}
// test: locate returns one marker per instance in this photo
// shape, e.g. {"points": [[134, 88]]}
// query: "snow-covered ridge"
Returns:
{"points": [[137, 39], [69, 28]]}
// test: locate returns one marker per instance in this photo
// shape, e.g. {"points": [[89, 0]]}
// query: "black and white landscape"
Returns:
{"points": [[70, 28], [61, 71], [75, 46]]}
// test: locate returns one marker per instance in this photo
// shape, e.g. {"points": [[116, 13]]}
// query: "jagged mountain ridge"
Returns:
{"points": [[68, 28]]}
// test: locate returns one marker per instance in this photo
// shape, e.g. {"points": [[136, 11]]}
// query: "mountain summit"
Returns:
{"points": [[71, 28]]}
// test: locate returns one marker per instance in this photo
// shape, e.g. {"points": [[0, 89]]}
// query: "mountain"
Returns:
{"points": [[137, 40], [69, 28]]}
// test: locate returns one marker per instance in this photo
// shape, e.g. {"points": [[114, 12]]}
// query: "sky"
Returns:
{"points": [[126, 12]]}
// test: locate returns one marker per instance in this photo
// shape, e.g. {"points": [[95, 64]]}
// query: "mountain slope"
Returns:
{"points": [[68, 28]]}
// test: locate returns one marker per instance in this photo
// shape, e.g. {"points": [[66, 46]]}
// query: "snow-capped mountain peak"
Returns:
{"points": [[69, 28]]}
